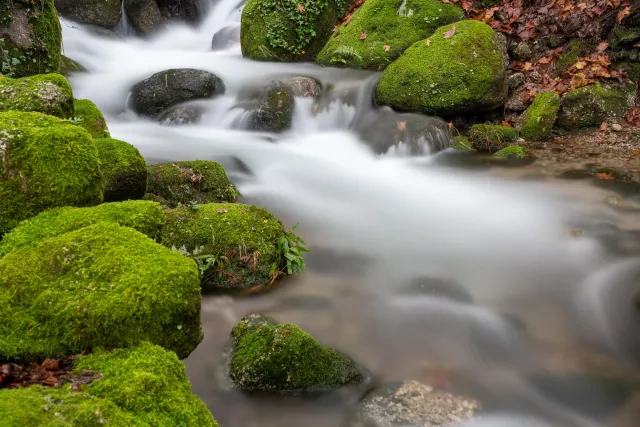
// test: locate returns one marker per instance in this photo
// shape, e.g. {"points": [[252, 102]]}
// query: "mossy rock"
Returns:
{"points": [[235, 245], [390, 28], [103, 285], [461, 143], [464, 72], [591, 105], [632, 68], [511, 152], [90, 118], [288, 31], [105, 13], [491, 138], [572, 52], [48, 93], [32, 38], [139, 386], [68, 66], [536, 123], [45, 162], [195, 181], [284, 359], [124, 170], [274, 110], [144, 216]]}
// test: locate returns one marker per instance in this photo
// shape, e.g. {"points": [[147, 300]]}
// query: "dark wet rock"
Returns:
{"points": [[144, 16], [283, 359], [184, 10], [515, 80], [226, 37], [516, 101], [168, 88], [105, 13], [182, 115], [439, 288], [104, 32], [522, 51], [305, 87], [274, 110], [412, 404], [68, 66]]}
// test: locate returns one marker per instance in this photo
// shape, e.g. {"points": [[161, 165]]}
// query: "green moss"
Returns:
{"points": [[198, 181], [536, 123], [69, 66], [33, 44], [44, 163], [124, 170], [623, 36], [145, 216], [390, 27], [462, 143], [632, 68], [510, 152], [590, 105], [572, 52], [141, 386], [279, 31], [49, 94], [491, 138], [245, 235], [90, 118], [462, 73], [283, 358], [100, 286]]}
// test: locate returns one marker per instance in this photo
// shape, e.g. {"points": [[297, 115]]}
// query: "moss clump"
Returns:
{"points": [[234, 244], [462, 143], [100, 286], [390, 28], [511, 152], [464, 72], [275, 109], [124, 170], [572, 52], [69, 66], [44, 163], [31, 38], [491, 138], [282, 358], [90, 118], [49, 94], [198, 181], [590, 105], [271, 30], [536, 123], [140, 386], [145, 216]]}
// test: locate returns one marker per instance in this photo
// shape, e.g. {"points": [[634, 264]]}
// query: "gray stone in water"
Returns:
{"points": [[105, 13], [439, 288], [168, 88], [412, 404], [144, 15], [305, 87], [182, 115], [226, 37], [274, 110]]}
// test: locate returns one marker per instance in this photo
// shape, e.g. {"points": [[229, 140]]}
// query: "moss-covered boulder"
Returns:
{"points": [[124, 170], [591, 105], [380, 31], [511, 152], [536, 123], [90, 117], [491, 138], [235, 245], [45, 162], [140, 386], [274, 110], [271, 30], [31, 41], [68, 66], [282, 358], [99, 286], [458, 69], [461, 143], [49, 94], [144, 216], [105, 13], [188, 182]]}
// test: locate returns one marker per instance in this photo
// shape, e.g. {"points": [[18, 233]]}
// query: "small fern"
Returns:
{"points": [[342, 52], [289, 255], [205, 262]]}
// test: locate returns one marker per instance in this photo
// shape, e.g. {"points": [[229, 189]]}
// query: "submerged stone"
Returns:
{"points": [[536, 123], [274, 110], [49, 94], [305, 87], [123, 168]]}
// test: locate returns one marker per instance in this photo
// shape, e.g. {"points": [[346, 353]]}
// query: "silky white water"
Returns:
{"points": [[506, 242]]}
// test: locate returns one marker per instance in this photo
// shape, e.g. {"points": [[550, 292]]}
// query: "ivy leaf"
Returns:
{"points": [[15, 61], [386, 47], [450, 33], [363, 35]]}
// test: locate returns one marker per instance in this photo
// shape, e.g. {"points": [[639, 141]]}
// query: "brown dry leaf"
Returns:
{"points": [[386, 47], [527, 66], [582, 6], [363, 35], [505, 123], [76, 387], [605, 176], [300, 7], [603, 127], [221, 211], [50, 380], [580, 65], [450, 33], [428, 42], [450, 125], [51, 365], [624, 12], [545, 60], [602, 47], [402, 125]]}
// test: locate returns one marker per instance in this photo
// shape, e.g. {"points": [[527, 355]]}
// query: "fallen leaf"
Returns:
{"points": [[50, 380], [624, 12], [527, 66], [580, 65], [505, 123], [363, 35], [545, 60], [602, 47], [402, 125], [51, 365], [450, 125], [605, 176], [386, 47], [450, 33], [428, 42], [221, 211], [76, 387], [603, 127], [300, 7]]}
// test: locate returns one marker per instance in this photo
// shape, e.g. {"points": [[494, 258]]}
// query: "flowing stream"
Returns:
{"points": [[377, 216]]}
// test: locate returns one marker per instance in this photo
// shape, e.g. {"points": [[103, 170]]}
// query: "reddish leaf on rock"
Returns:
{"points": [[300, 7], [386, 47], [466, 5], [603, 127], [450, 33], [402, 125], [527, 66], [51, 365], [450, 125], [602, 47], [50, 380], [363, 35], [605, 176], [76, 387], [545, 60], [624, 12]]}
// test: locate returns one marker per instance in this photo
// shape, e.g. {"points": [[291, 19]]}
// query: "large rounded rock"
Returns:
{"points": [[462, 68], [589, 106], [196, 181], [100, 286], [287, 31], [283, 359], [90, 117], [412, 404], [105, 13], [124, 170], [32, 38], [143, 385], [380, 31], [536, 123], [144, 16], [49, 94], [274, 110], [168, 88], [183, 10], [45, 162]]}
